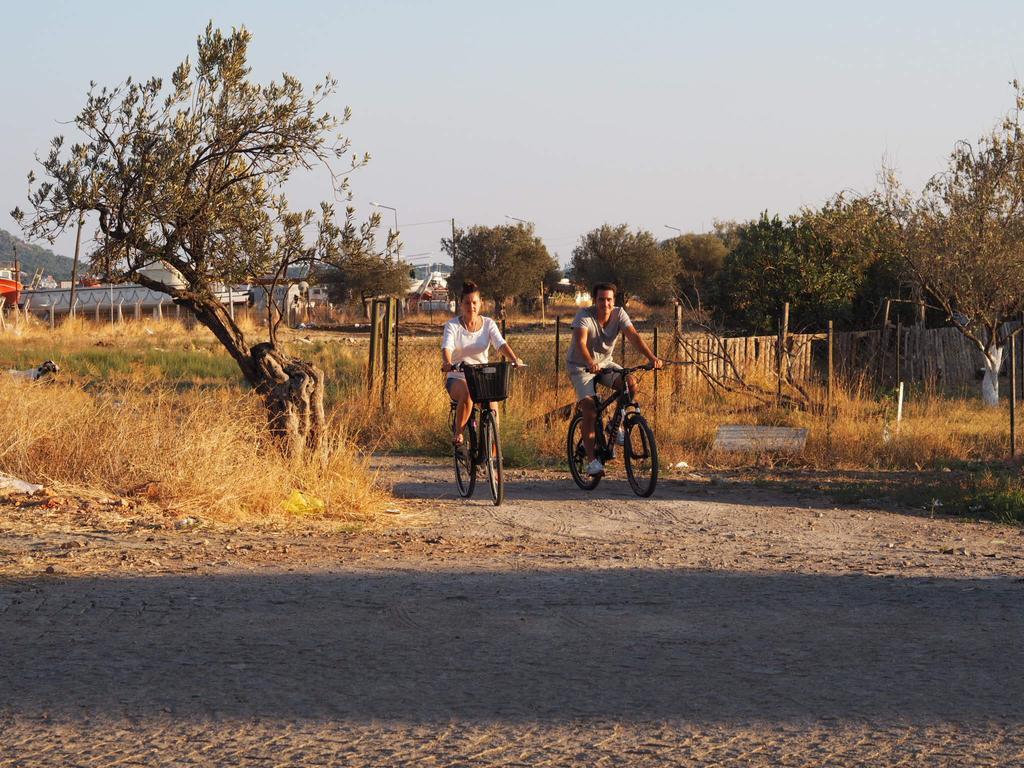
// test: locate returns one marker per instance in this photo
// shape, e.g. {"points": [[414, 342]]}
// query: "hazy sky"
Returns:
{"points": [[569, 114]]}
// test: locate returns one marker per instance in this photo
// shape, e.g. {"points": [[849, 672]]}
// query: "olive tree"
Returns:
{"points": [[362, 276], [506, 261], [699, 260], [190, 177], [634, 261], [963, 239]]}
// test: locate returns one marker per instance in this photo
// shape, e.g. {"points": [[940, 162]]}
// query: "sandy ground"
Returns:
{"points": [[711, 625]]}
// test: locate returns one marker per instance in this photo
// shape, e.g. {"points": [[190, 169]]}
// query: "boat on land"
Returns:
{"points": [[10, 286]]}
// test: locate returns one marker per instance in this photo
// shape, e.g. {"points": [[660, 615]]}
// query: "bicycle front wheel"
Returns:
{"points": [[641, 455], [492, 460], [465, 474], [577, 455]]}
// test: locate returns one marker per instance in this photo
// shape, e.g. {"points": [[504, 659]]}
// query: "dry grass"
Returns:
{"points": [[127, 391], [203, 454], [935, 430], [157, 410]]}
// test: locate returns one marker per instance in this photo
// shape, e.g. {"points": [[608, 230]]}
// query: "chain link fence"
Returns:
{"points": [[840, 387]]}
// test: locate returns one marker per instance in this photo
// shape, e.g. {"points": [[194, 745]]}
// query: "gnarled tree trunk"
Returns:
{"points": [[293, 392], [292, 389]]}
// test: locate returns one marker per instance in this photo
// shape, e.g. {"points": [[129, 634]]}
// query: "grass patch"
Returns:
{"points": [[990, 493]]}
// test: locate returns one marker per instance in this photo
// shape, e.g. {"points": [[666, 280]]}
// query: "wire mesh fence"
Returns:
{"points": [[838, 386]]}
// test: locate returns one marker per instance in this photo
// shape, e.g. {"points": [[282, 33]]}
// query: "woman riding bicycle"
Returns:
{"points": [[467, 338]]}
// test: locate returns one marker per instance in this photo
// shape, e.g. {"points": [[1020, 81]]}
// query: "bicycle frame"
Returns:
{"points": [[484, 450], [476, 449], [624, 400]]}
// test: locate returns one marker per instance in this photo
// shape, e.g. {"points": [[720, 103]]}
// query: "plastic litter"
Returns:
{"points": [[299, 503], [9, 484]]}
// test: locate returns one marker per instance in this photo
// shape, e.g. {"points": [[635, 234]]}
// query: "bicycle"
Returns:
{"points": [[639, 448], [481, 441]]}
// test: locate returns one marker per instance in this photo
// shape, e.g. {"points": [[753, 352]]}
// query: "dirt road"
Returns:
{"points": [[712, 625]]}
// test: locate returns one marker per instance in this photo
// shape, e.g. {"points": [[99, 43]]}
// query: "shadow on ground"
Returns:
{"points": [[431, 646]]}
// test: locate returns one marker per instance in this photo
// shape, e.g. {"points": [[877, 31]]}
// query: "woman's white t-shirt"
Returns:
{"points": [[470, 346]]}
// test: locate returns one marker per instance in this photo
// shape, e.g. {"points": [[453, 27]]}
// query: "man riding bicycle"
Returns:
{"points": [[595, 330]]}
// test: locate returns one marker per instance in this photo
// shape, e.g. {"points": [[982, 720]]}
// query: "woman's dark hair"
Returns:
{"points": [[603, 287], [468, 287]]}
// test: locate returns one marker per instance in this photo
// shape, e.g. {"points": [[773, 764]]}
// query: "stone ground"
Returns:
{"points": [[715, 624]]}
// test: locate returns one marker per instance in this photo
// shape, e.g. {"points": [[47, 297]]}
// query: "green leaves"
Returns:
{"points": [[634, 261], [836, 263], [963, 237], [505, 261]]}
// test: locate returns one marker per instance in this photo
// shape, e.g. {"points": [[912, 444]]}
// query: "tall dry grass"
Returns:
{"points": [[157, 375], [157, 409], [862, 433], [205, 454]]}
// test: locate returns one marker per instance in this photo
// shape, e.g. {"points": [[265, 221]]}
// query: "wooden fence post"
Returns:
{"points": [[558, 336], [1013, 395], [899, 339], [883, 339], [828, 391], [677, 351], [783, 333], [397, 317], [504, 331], [385, 349], [371, 368], [655, 351]]}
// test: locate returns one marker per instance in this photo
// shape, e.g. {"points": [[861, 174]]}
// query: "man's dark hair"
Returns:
{"points": [[603, 287], [468, 287]]}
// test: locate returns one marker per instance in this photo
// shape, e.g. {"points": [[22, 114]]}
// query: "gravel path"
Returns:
{"points": [[712, 625]]}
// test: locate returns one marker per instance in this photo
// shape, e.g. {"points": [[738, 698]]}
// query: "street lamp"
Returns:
{"points": [[677, 229], [394, 211], [390, 208], [522, 221]]}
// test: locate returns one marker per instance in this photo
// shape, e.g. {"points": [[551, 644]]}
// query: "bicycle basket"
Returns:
{"points": [[488, 382]]}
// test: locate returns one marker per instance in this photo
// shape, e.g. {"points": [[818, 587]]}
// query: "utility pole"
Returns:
{"points": [[74, 265]]}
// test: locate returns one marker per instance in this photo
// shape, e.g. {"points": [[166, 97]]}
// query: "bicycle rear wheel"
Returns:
{"points": [[465, 475], [641, 454], [577, 455], [492, 460]]}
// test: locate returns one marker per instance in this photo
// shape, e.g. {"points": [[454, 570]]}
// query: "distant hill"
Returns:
{"points": [[32, 257]]}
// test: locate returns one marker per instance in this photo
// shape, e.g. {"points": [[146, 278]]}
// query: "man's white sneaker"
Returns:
{"points": [[595, 468]]}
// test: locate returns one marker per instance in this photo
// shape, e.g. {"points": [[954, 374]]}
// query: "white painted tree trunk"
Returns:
{"points": [[990, 382]]}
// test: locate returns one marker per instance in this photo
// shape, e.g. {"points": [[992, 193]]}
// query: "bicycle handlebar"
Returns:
{"points": [[627, 371], [463, 366]]}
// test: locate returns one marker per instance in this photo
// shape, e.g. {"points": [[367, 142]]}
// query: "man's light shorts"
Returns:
{"points": [[585, 382]]}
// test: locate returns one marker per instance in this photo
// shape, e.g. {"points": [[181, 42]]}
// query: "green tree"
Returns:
{"points": [[699, 260], [857, 245], [190, 176], [963, 239], [829, 264], [634, 261], [506, 261], [362, 276]]}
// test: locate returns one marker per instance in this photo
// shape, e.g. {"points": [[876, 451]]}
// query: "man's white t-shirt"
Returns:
{"points": [[470, 346]]}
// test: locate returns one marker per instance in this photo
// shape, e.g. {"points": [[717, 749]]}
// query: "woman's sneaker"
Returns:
{"points": [[595, 468]]}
